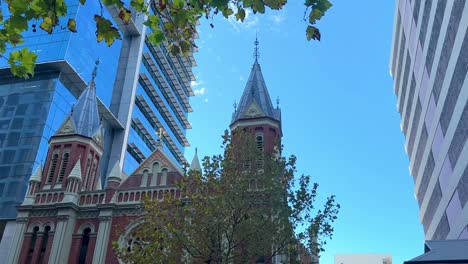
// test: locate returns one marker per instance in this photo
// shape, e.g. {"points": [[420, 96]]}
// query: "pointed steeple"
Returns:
{"points": [[85, 113], [255, 101], [37, 175], [76, 171], [195, 165]]}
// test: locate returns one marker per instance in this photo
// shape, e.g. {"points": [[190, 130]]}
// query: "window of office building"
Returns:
{"points": [[432, 206], [442, 229], [437, 23], [426, 178], [459, 138], [447, 47], [420, 151], [425, 21], [409, 104]]}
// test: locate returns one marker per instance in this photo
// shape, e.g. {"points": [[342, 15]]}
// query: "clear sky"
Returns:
{"points": [[338, 111]]}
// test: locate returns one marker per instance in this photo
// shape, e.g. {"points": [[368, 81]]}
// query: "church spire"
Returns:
{"points": [[255, 101], [85, 112]]}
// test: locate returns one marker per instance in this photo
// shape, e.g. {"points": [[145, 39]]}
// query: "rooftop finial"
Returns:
{"points": [[196, 151], [277, 102], [235, 106], [95, 69], [256, 53]]}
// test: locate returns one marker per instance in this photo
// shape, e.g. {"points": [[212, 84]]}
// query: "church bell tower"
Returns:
{"points": [[255, 111]]}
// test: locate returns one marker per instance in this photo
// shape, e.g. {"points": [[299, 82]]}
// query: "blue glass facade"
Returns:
{"points": [[28, 110], [32, 110]]}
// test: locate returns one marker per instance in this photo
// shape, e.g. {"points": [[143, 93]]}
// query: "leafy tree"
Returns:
{"points": [[246, 205], [170, 20]]}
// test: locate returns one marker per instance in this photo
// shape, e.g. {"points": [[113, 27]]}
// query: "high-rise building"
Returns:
{"points": [[429, 64], [141, 90], [132, 72]]}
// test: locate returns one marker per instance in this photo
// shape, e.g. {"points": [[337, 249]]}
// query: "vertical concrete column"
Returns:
{"points": [[17, 243], [123, 96], [102, 240], [62, 238]]}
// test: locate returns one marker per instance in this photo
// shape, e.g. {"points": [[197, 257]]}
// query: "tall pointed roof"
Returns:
{"points": [[195, 165], [255, 101], [85, 113], [36, 176], [76, 171]]}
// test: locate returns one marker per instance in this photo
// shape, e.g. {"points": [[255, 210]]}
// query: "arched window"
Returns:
{"points": [[259, 140], [33, 243], [93, 174], [163, 177], [144, 179], [87, 170], [63, 166], [53, 167], [84, 246], [155, 168], [45, 241]]}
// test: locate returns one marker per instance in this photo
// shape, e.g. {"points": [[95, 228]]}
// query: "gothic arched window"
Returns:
{"points": [[87, 171], [84, 246], [63, 166], [259, 140], [155, 168], [45, 241], [32, 244], [53, 167], [93, 173], [164, 177]]}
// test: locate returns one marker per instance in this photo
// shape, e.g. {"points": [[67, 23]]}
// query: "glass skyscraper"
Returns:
{"points": [[141, 89], [429, 63]]}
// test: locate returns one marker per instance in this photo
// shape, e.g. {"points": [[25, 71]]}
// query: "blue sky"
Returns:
{"points": [[338, 109]]}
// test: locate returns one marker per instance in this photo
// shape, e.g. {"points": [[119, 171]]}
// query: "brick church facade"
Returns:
{"points": [[70, 216]]}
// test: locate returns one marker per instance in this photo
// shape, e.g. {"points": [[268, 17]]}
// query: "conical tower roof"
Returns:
{"points": [[85, 113], [36, 176], [255, 101], [195, 165], [76, 171]]}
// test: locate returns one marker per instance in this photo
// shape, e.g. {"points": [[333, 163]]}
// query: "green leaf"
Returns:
{"points": [[105, 31], [14, 38], [125, 15], [47, 25], [275, 4], [17, 6], [71, 25], [17, 24], [179, 3], [2, 45], [258, 6], [157, 37], [22, 63], [315, 15], [139, 5], [312, 33], [227, 12], [240, 14], [152, 22], [118, 3], [185, 46]]}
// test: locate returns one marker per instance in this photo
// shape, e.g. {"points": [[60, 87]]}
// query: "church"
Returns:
{"points": [[71, 214]]}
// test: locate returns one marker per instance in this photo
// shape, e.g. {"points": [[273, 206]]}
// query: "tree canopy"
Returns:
{"points": [[173, 21], [246, 206]]}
